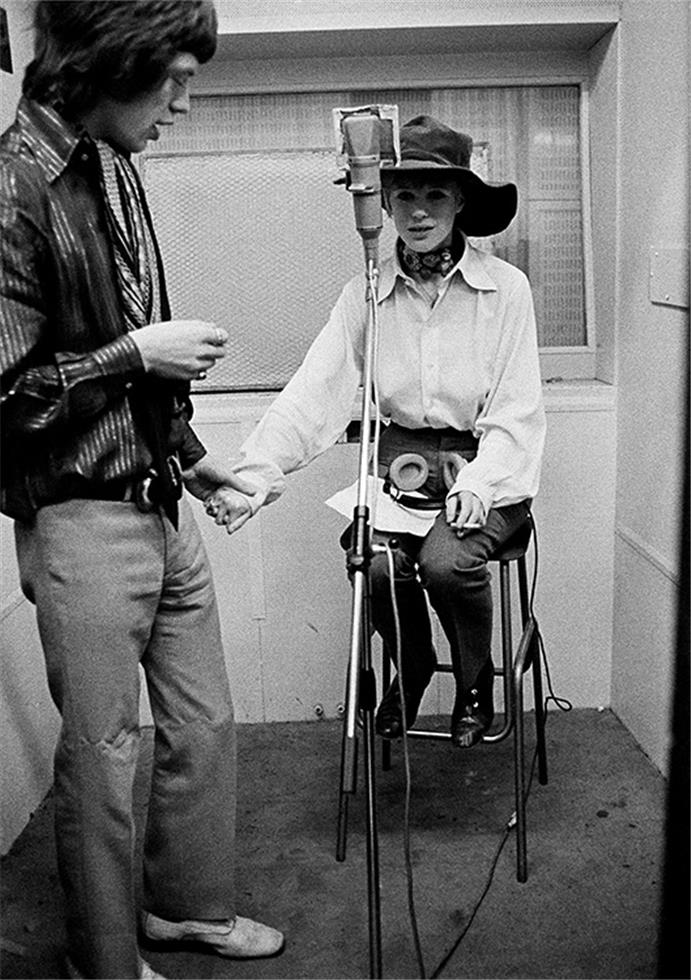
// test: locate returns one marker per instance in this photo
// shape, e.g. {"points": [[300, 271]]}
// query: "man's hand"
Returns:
{"points": [[229, 507], [180, 349], [465, 512], [210, 474]]}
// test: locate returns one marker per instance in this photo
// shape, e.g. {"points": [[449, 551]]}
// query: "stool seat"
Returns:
{"points": [[516, 546]]}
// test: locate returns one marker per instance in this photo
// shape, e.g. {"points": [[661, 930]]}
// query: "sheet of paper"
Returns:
{"points": [[385, 513]]}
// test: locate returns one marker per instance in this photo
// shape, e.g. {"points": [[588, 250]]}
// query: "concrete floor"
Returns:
{"points": [[588, 909]]}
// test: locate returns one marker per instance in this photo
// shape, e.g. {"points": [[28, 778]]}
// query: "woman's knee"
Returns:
{"points": [[404, 569], [459, 572]]}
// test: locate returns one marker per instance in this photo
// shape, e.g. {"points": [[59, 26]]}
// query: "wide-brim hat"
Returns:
{"points": [[427, 145]]}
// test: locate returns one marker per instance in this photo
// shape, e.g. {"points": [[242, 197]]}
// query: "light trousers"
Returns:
{"points": [[115, 588]]}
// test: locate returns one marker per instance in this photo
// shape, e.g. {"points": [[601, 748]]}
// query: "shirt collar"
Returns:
{"points": [[51, 139], [471, 266]]}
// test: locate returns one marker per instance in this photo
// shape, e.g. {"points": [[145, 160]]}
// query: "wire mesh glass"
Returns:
{"points": [[260, 241]]}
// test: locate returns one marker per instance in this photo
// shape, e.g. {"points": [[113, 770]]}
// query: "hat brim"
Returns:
{"points": [[488, 208]]}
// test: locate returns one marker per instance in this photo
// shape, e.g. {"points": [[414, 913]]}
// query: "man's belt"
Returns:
{"points": [[145, 492]]}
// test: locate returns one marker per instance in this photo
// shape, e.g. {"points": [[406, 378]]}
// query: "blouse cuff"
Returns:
{"points": [[481, 491]]}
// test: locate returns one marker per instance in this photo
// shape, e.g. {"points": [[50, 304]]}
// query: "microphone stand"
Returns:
{"points": [[363, 137], [361, 681]]}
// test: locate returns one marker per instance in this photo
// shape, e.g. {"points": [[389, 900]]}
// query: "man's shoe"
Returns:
{"points": [[388, 721], [146, 972], [237, 938], [473, 712]]}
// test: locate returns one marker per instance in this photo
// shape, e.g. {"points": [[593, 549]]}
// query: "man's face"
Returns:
{"points": [[424, 213], [128, 126]]}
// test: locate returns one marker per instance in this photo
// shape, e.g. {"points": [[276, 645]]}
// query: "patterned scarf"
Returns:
{"points": [[135, 257], [144, 302], [426, 264]]}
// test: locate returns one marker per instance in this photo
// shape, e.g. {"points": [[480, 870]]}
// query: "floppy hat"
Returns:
{"points": [[427, 145]]}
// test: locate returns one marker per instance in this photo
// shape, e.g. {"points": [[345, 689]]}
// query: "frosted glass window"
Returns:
{"points": [[257, 238]]}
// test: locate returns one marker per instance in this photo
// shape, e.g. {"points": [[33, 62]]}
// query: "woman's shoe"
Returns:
{"points": [[473, 712], [389, 721]]}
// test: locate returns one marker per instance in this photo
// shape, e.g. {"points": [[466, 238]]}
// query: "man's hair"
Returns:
{"points": [[85, 49]]}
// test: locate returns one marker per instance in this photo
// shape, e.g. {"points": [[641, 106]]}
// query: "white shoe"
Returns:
{"points": [[146, 972], [237, 938]]}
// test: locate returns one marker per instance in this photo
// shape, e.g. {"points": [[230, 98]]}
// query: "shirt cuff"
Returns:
{"points": [[481, 491], [119, 357]]}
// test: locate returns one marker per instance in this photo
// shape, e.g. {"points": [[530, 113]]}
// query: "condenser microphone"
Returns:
{"points": [[362, 147], [367, 138]]}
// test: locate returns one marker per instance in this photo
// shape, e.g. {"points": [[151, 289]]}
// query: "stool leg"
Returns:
{"points": [[540, 718], [516, 708], [506, 636], [519, 779]]}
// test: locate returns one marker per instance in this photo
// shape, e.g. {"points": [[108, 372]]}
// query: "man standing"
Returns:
{"points": [[97, 447]]}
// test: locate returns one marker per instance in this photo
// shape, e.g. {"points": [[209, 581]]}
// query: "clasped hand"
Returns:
{"points": [[230, 507], [225, 494]]}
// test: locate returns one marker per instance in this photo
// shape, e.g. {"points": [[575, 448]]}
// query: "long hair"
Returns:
{"points": [[85, 49]]}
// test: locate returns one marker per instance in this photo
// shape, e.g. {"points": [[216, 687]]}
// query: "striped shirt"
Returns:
{"points": [[71, 374]]}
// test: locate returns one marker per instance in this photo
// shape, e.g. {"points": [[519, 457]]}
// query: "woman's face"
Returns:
{"points": [[424, 213]]}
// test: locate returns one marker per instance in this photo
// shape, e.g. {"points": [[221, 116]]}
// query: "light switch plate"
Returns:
{"points": [[669, 276]]}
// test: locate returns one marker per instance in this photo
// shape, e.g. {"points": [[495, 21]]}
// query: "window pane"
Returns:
{"points": [[257, 238]]}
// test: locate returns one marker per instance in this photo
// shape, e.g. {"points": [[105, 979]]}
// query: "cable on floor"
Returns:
{"points": [[564, 705], [406, 764]]}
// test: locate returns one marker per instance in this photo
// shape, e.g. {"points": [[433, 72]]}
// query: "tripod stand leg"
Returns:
{"points": [[372, 852], [360, 703], [342, 828]]}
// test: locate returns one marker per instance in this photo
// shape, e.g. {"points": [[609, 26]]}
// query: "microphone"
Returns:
{"points": [[367, 138], [361, 135]]}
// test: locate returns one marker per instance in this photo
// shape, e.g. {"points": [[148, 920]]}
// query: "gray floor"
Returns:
{"points": [[588, 909]]}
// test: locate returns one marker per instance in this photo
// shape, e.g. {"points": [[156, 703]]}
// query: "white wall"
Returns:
{"points": [[652, 345], [28, 720]]}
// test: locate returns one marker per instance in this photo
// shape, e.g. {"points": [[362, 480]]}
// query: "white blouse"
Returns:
{"points": [[469, 361]]}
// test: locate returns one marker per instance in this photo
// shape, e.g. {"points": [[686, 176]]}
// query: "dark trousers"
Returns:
{"points": [[451, 571]]}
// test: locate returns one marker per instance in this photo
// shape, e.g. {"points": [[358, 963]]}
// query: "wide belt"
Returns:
{"points": [[145, 492], [410, 471]]}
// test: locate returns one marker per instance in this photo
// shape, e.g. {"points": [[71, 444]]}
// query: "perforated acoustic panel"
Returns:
{"points": [[261, 244]]}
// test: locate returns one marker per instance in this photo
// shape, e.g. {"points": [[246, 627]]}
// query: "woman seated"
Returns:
{"points": [[458, 381]]}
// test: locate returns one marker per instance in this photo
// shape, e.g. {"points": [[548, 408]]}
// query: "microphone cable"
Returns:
{"points": [[410, 884], [564, 705], [406, 764]]}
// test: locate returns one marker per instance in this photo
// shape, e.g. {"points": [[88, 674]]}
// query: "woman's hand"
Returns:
{"points": [[210, 474], [465, 512], [227, 506]]}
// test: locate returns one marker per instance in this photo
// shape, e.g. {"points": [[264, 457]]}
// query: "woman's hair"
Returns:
{"points": [[85, 49]]}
